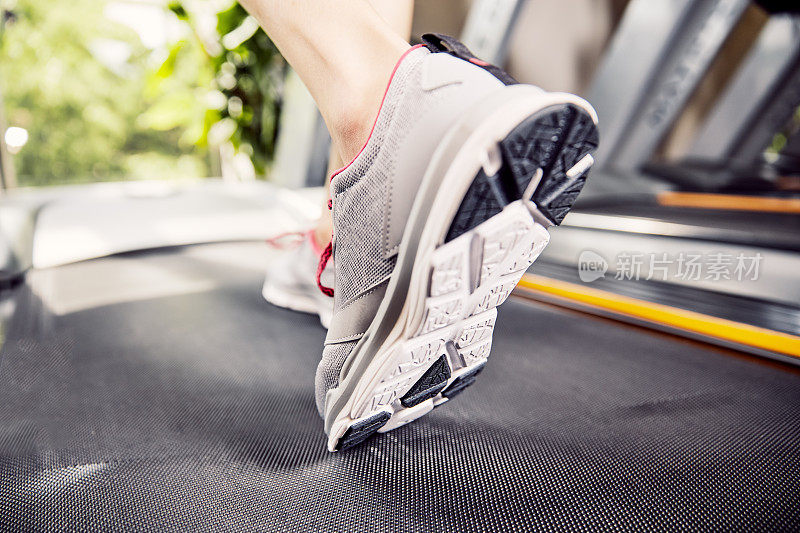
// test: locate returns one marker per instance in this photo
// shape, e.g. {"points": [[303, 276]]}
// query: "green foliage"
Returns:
{"points": [[241, 85], [88, 121], [780, 138], [81, 115]]}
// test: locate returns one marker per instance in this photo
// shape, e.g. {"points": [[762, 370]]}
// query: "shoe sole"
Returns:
{"points": [[433, 346]]}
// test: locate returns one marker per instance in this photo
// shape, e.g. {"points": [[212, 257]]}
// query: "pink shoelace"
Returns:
{"points": [[292, 239], [324, 257], [288, 240], [323, 262], [328, 251]]}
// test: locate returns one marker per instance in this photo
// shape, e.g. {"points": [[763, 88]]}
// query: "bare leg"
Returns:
{"points": [[324, 228], [397, 14], [346, 76]]}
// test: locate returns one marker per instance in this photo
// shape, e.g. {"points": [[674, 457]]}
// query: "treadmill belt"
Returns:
{"points": [[158, 391]]}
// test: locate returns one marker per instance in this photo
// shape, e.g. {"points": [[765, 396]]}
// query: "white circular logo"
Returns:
{"points": [[591, 266]]}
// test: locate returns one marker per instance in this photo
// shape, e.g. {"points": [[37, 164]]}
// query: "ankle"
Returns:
{"points": [[353, 126], [361, 102], [320, 236]]}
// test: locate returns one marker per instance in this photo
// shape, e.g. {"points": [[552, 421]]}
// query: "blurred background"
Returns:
{"points": [[122, 90], [97, 90], [203, 133], [645, 372]]}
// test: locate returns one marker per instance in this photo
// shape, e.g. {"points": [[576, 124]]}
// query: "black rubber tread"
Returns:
{"points": [[479, 204], [362, 430], [462, 382], [577, 136], [553, 139], [429, 385]]}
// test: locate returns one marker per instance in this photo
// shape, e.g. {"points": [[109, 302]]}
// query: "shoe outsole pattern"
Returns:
{"points": [[554, 142], [495, 236], [362, 430]]}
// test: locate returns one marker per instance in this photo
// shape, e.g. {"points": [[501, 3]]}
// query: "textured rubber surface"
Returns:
{"points": [[553, 140], [362, 430], [463, 381], [432, 382], [194, 411], [469, 278]]}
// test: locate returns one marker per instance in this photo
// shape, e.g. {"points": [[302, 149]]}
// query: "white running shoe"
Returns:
{"points": [[435, 221], [291, 281]]}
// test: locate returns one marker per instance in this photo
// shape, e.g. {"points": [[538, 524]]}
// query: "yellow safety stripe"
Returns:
{"points": [[674, 317], [730, 201]]}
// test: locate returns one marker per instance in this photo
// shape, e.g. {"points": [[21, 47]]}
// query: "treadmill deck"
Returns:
{"points": [[158, 391]]}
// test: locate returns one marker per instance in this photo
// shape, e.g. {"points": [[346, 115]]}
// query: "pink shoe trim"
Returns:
{"points": [[287, 240], [479, 62], [379, 110]]}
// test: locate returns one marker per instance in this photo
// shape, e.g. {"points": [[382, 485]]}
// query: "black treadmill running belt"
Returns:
{"points": [[195, 412]]}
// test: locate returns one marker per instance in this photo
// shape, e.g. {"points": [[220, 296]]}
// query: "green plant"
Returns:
{"points": [[235, 95], [215, 90], [80, 113]]}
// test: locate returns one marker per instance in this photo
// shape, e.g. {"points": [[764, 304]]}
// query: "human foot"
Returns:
{"points": [[435, 221]]}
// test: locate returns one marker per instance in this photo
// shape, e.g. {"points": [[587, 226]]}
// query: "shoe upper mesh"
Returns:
{"points": [[327, 376], [360, 192]]}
